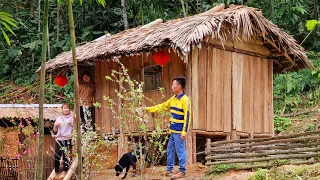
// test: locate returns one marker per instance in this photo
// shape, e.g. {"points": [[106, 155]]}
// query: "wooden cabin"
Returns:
{"points": [[228, 55]]}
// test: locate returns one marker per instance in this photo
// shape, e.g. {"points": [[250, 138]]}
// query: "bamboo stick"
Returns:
{"points": [[52, 175], [272, 165], [265, 139], [208, 133], [71, 170], [265, 148], [294, 156], [267, 142], [246, 155]]}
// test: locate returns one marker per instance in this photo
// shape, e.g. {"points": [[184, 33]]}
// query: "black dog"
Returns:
{"points": [[127, 160]]}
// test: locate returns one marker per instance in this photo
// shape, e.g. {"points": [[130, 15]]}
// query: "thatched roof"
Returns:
{"points": [[184, 34], [22, 111]]}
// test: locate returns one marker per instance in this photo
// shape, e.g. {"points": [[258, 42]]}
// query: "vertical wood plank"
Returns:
{"points": [[246, 94], [190, 139], [211, 91], [270, 97], [202, 90], [195, 88], [227, 104], [252, 69], [266, 123], [113, 95], [218, 89], [257, 95], [98, 93], [237, 76]]}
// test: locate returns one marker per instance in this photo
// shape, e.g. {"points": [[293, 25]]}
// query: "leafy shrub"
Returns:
{"points": [[281, 123], [221, 169], [260, 175]]}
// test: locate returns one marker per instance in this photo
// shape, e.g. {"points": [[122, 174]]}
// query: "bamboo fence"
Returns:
{"points": [[299, 148]]}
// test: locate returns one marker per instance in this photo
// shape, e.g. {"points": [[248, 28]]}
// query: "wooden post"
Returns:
{"points": [[189, 142], [208, 146], [228, 137], [316, 127], [234, 135], [194, 148], [250, 137]]}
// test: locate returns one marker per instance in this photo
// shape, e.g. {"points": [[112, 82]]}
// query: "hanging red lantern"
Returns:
{"points": [[161, 58], [61, 80]]}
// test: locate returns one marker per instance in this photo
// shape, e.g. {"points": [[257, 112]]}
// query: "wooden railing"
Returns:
{"points": [[300, 148], [8, 169], [25, 168]]}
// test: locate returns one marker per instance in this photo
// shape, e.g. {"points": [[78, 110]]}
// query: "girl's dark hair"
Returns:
{"points": [[181, 80], [65, 104]]}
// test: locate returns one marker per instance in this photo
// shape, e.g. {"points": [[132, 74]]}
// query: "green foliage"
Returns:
{"points": [[311, 24], [6, 20], [297, 90], [281, 123], [221, 169], [259, 175]]}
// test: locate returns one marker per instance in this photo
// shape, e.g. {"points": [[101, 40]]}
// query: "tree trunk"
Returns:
{"points": [[76, 89], [124, 14], [42, 86], [272, 10], [183, 8], [226, 3], [39, 14], [58, 25]]}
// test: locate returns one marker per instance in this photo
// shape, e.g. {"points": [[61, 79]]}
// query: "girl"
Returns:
{"points": [[63, 126]]}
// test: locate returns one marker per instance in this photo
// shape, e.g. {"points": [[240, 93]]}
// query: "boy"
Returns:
{"points": [[180, 120]]}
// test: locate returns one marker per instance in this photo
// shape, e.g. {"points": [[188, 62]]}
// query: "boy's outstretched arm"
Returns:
{"points": [[160, 107]]}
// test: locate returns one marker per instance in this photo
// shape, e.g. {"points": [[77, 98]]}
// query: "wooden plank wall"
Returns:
{"points": [[252, 94], [211, 89], [105, 88], [231, 91], [175, 67]]}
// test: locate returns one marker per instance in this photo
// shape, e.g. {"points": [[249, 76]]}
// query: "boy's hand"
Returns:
{"points": [[183, 137]]}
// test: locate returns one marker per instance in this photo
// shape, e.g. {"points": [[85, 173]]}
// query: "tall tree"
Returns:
{"points": [[42, 86], [124, 14]]}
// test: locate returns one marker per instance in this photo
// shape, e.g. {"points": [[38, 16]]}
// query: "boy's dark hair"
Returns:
{"points": [[181, 80]]}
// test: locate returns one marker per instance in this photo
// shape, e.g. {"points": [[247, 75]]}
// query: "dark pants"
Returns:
{"points": [[62, 149], [83, 120]]}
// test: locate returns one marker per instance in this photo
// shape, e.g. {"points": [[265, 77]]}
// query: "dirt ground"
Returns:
{"points": [[194, 172]]}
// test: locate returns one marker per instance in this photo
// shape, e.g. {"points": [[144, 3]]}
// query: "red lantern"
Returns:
{"points": [[161, 58], [61, 80]]}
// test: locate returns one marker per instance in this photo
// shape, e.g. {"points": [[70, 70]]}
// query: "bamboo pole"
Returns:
{"points": [[208, 133], [293, 156], [42, 87], [265, 148], [246, 155], [76, 88], [265, 139], [267, 142], [272, 164], [71, 170]]}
